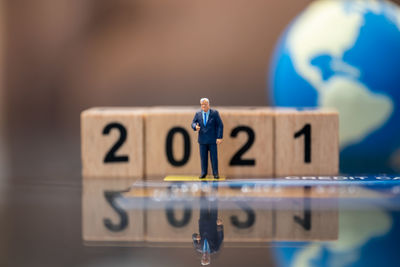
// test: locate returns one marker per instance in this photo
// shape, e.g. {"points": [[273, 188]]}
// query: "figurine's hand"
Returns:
{"points": [[197, 127], [197, 238], [219, 141]]}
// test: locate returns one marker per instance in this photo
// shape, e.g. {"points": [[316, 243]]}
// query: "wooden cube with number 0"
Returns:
{"points": [[170, 142], [112, 142], [174, 222], [306, 142]]}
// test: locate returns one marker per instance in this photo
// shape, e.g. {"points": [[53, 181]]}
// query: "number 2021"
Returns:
{"points": [[236, 159]]}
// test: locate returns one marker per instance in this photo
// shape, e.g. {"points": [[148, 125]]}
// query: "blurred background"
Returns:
{"points": [[59, 57], [65, 56]]}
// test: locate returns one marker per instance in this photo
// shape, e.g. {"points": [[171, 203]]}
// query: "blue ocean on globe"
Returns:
{"points": [[346, 55], [367, 237]]}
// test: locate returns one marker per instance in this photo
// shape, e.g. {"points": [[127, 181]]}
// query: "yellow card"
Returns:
{"points": [[188, 178]]}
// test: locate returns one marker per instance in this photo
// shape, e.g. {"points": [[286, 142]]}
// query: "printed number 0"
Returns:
{"points": [[236, 160], [169, 145], [110, 156]]}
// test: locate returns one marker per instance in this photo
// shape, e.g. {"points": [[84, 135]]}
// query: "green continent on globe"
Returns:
{"points": [[345, 54]]}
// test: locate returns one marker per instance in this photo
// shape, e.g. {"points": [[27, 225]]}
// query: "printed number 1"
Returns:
{"points": [[306, 131], [305, 222]]}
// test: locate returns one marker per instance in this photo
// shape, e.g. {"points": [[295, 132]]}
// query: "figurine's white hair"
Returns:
{"points": [[204, 99]]}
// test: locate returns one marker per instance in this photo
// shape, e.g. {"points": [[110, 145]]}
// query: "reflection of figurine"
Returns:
{"points": [[211, 229], [209, 125]]}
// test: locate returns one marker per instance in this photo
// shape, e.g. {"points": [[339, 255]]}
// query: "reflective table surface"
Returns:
{"points": [[262, 222]]}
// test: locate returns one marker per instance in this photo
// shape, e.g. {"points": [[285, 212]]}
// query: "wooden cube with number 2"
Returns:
{"points": [[112, 142]]}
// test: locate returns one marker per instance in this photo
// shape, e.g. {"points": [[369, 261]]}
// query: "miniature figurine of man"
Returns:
{"points": [[211, 229], [210, 239], [210, 127]]}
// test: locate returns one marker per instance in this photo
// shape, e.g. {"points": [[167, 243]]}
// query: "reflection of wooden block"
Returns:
{"points": [[306, 218], [174, 222], [102, 218], [247, 150], [306, 142], [245, 223], [112, 142], [171, 144]]}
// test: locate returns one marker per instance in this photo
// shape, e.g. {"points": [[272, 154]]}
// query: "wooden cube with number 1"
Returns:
{"points": [[306, 142], [306, 214]]}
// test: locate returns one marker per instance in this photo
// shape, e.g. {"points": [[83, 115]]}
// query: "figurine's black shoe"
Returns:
{"points": [[216, 176], [202, 176]]}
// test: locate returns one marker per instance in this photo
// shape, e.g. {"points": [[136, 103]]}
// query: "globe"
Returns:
{"points": [[346, 55]]}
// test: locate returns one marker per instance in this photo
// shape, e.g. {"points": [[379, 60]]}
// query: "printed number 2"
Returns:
{"points": [[237, 159], [123, 216], [110, 156], [306, 131]]}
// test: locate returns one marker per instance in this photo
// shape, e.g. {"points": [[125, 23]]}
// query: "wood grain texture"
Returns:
{"points": [[290, 151], [237, 122], [95, 144], [272, 147], [96, 209], [170, 224], [306, 218], [246, 223], [159, 121]]}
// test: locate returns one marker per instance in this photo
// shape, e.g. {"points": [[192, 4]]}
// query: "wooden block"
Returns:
{"points": [[313, 217], [112, 142], [247, 223], [174, 222], [249, 218], [171, 144], [102, 218], [242, 222], [172, 147], [306, 142], [247, 150]]}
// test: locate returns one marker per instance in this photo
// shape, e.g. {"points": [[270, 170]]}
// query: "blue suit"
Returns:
{"points": [[208, 136], [208, 228]]}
